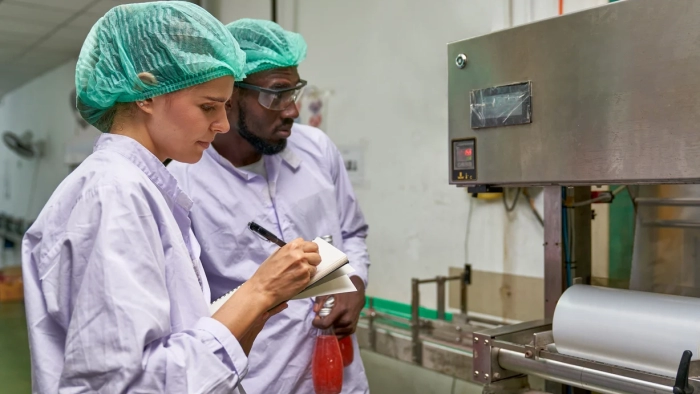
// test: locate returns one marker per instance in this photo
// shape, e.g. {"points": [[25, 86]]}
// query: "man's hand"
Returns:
{"points": [[345, 312], [246, 341]]}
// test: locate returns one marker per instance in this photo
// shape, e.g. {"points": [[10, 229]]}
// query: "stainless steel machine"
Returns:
{"points": [[607, 96]]}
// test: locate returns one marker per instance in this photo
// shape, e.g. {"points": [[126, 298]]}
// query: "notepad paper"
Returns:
{"points": [[332, 276], [221, 301]]}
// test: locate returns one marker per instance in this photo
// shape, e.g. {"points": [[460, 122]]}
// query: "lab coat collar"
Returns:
{"points": [[148, 163], [287, 155]]}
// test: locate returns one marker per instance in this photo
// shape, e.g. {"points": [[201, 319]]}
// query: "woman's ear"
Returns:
{"points": [[145, 105]]}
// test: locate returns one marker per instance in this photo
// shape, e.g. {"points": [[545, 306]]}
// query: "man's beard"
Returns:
{"points": [[261, 145]]}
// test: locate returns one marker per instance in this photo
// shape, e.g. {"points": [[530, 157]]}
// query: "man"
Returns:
{"points": [[291, 180]]}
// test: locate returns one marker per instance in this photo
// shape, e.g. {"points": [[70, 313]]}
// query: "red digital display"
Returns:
{"points": [[464, 152]]}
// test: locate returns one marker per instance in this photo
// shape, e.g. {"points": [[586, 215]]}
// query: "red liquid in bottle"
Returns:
{"points": [[327, 365], [346, 350]]}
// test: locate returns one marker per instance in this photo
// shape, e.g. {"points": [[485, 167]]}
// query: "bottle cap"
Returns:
{"points": [[327, 306], [324, 312]]}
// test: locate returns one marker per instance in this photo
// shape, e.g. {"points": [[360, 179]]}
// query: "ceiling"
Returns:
{"points": [[39, 35]]}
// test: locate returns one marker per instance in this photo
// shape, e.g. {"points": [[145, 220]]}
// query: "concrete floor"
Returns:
{"points": [[15, 375], [387, 375]]}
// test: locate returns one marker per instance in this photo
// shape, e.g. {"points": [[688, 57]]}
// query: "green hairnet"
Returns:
{"points": [[267, 45], [139, 51]]}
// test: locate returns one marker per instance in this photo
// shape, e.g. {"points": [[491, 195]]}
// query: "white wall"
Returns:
{"points": [[42, 106], [257, 9], [526, 11], [386, 62]]}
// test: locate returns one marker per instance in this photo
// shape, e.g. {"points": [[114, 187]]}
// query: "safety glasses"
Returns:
{"points": [[276, 99]]}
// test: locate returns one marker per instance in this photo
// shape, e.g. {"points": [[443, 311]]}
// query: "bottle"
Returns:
{"points": [[345, 344], [346, 348], [327, 363]]}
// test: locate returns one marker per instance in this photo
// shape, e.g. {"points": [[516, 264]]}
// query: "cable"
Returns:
{"points": [[565, 238], [533, 208], [515, 201], [619, 190], [468, 230]]}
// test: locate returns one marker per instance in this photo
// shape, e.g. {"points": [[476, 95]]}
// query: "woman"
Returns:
{"points": [[116, 298]]}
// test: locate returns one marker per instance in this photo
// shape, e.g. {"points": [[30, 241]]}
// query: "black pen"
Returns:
{"points": [[258, 229]]}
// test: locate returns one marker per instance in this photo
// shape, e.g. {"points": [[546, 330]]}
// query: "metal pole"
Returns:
{"points": [[465, 280], [415, 321], [588, 379], [440, 297], [463, 297]]}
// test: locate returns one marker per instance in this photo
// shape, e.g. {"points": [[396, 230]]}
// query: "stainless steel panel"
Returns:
{"points": [[515, 331], [616, 96], [668, 202], [672, 224], [485, 342], [482, 364]]}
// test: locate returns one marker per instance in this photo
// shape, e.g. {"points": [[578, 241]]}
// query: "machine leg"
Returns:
{"points": [[415, 322], [553, 249], [440, 297]]}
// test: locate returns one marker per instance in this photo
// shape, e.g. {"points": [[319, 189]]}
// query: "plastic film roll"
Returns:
{"points": [[642, 331]]}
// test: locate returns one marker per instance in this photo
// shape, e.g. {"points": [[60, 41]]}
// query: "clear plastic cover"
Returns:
{"points": [[501, 105]]}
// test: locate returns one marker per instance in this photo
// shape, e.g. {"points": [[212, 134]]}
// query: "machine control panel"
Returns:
{"points": [[464, 160]]}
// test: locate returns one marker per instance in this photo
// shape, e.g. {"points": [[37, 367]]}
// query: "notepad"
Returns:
{"points": [[332, 276]]}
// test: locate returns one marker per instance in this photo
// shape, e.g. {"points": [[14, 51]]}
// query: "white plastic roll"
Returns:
{"points": [[642, 331]]}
